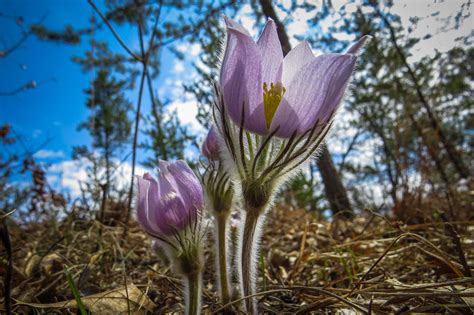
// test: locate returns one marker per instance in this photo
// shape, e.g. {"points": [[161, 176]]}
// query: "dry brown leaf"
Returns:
{"points": [[109, 302]]}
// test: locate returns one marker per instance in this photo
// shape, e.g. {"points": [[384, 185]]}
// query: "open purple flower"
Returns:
{"points": [[170, 204], [210, 147], [270, 92]]}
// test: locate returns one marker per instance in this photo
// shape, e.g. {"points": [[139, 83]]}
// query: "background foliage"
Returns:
{"points": [[402, 136]]}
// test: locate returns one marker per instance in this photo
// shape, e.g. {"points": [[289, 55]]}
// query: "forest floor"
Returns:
{"points": [[366, 265]]}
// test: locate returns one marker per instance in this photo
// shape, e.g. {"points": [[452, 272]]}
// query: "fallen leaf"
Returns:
{"points": [[109, 302]]}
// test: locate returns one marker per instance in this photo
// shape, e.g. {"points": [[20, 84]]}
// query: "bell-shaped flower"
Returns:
{"points": [[170, 204], [264, 92], [210, 147]]}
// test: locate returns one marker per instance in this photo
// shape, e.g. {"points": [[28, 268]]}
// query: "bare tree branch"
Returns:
{"points": [[116, 35], [145, 57]]}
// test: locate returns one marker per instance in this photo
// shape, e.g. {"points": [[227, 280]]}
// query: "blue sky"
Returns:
{"points": [[55, 107]]}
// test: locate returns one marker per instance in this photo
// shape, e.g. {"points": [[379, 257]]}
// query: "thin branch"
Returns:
{"points": [[33, 84], [117, 36], [452, 231], [145, 57], [21, 41], [27, 86], [348, 151], [25, 35], [135, 138]]}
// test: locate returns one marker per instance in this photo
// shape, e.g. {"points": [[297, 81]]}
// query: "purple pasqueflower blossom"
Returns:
{"points": [[171, 203], [291, 93], [210, 147]]}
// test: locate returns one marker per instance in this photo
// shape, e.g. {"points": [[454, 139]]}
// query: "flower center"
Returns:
{"points": [[271, 100]]}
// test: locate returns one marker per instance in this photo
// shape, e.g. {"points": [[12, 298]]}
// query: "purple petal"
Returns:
{"points": [[315, 91], [189, 186], [298, 57], [163, 166], [153, 215], [231, 24], [337, 88], [165, 179], [241, 80], [142, 203], [358, 45], [173, 215], [271, 53]]}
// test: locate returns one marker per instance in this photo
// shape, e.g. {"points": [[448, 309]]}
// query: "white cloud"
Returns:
{"points": [[186, 48], [246, 18], [187, 111], [184, 104], [181, 47], [48, 154], [124, 172], [195, 50], [67, 175], [178, 66]]}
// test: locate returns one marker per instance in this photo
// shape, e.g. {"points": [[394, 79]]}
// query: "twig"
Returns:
{"points": [[145, 58], [3, 216], [17, 45], [326, 293], [27, 86], [459, 281], [226, 306], [103, 204], [421, 294], [32, 84], [457, 243], [126, 286], [442, 257], [116, 35], [348, 151], [21, 40]]}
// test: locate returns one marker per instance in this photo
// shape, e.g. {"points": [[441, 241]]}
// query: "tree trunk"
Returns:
{"points": [[333, 187], [335, 192]]}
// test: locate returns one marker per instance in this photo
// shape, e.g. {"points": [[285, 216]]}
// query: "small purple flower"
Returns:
{"points": [[210, 147], [170, 204], [291, 93]]}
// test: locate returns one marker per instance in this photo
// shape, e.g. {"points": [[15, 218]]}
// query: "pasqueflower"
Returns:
{"points": [[273, 113], [169, 209], [265, 91], [172, 202]]}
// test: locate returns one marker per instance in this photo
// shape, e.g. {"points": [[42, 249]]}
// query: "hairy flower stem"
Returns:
{"points": [[193, 294], [221, 220], [249, 253]]}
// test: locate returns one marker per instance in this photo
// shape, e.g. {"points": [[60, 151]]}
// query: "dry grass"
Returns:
{"points": [[368, 265]]}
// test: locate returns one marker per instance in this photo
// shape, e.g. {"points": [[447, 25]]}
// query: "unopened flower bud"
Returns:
{"points": [[210, 147]]}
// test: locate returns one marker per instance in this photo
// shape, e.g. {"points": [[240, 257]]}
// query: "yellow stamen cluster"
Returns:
{"points": [[271, 100]]}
